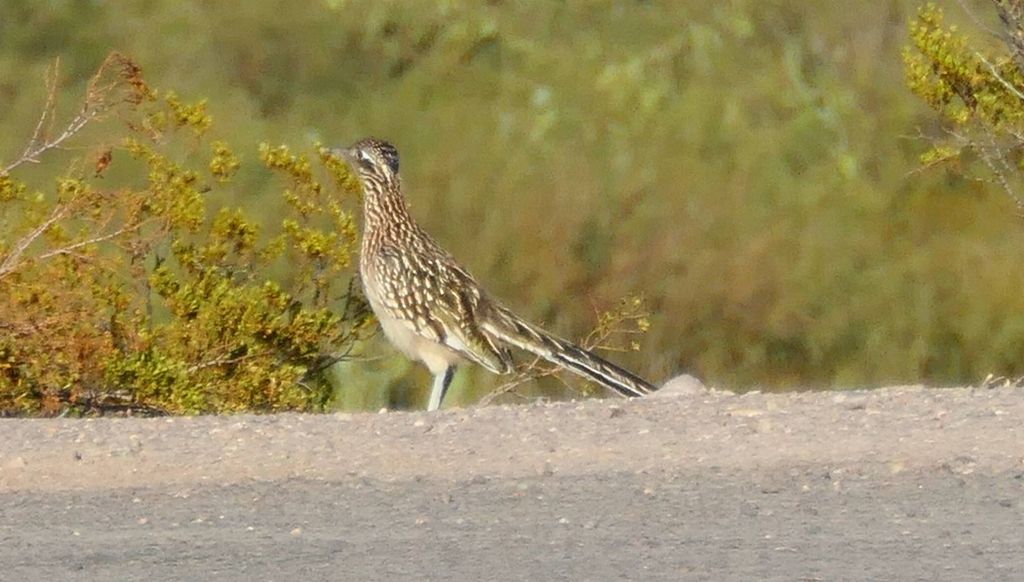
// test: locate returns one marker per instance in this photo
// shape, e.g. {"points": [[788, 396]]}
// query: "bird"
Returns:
{"points": [[430, 308]]}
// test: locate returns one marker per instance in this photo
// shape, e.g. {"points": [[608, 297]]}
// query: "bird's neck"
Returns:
{"points": [[385, 207]]}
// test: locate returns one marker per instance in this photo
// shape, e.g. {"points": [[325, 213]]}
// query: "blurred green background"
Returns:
{"points": [[750, 167]]}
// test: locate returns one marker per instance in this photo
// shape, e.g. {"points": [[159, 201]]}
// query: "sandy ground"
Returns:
{"points": [[900, 483]]}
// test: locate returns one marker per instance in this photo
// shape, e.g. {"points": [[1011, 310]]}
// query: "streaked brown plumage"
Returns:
{"points": [[430, 308]]}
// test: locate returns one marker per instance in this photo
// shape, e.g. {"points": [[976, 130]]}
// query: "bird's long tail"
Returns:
{"points": [[509, 328]]}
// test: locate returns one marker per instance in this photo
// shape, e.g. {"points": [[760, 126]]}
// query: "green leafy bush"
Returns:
{"points": [[121, 291], [978, 91]]}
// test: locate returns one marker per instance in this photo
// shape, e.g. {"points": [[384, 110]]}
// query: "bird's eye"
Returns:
{"points": [[365, 160]]}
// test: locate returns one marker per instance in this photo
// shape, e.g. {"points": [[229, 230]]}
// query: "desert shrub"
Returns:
{"points": [[119, 290], [977, 88]]}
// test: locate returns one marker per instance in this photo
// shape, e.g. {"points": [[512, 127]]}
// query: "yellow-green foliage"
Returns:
{"points": [[749, 167], [120, 291], [967, 84]]}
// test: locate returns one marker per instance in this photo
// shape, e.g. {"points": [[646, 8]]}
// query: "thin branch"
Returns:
{"points": [[49, 109], [526, 373], [1010, 15], [1002, 81], [221, 361], [987, 157], [977, 21], [84, 243], [94, 105], [13, 258]]}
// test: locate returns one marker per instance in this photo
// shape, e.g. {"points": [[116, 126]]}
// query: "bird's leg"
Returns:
{"points": [[440, 388]]}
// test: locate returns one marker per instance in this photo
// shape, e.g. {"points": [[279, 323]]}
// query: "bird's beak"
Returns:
{"points": [[346, 154]]}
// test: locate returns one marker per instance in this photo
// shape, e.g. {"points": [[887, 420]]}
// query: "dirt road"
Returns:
{"points": [[898, 484]]}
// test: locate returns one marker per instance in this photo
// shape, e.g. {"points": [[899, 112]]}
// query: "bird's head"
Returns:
{"points": [[374, 161]]}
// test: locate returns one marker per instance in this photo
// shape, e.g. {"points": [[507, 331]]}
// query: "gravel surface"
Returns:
{"points": [[901, 483]]}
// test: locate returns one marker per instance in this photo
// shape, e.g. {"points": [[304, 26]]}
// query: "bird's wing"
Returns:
{"points": [[438, 300]]}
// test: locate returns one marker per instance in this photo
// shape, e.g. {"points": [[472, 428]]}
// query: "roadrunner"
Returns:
{"points": [[430, 308]]}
